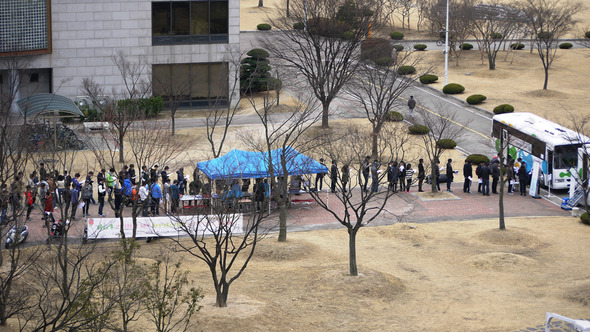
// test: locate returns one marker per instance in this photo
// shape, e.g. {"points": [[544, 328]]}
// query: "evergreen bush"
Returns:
{"points": [[476, 99], [504, 108], [299, 26], [496, 36], [263, 26], [517, 46], [394, 116], [398, 48], [384, 62], [406, 70], [466, 46], [477, 159], [566, 46], [255, 71], [428, 79], [453, 89], [587, 34], [418, 129], [446, 143], [396, 35], [584, 218], [420, 47]]}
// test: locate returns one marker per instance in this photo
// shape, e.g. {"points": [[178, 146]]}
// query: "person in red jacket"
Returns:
{"points": [[49, 210], [29, 200]]}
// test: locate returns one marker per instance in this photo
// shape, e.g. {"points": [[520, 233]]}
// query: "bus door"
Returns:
{"points": [[549, 181]]}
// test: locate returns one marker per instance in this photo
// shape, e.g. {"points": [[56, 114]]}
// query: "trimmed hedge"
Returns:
{"points": [[406, 70], [394, 116], [150, 107], [587, 34], [496, 36], [565, 46], [453, 89], [504, 108], [428, 79], [517, 46], [477, 158], [398, 48], [384, 62], [466, 46], [263, 26], [584, 218], [446, 143], [396, 35], [299, 26], [420, 47], [476, 99], [418, 130], [258, 53]]}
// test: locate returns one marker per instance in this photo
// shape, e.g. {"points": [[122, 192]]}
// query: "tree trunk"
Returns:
{"points": [[325, 108], [433, 168], [260, 3], [173, 122], [221, 297], [352, 252], [282, 220], [501, 200], [121, 156], [288, 8], [374, 150], [546, 77], [492, 62]]}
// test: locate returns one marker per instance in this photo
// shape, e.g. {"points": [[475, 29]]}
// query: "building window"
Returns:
{"points": [[34, 78], [191, 84], [189, 22], [25, 27]]}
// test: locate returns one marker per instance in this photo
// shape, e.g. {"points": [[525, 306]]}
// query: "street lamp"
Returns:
{"points": [[447, 45]]}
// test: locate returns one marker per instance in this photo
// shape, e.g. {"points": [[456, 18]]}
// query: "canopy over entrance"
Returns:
{"points": [[239, 164], [44, 103]]}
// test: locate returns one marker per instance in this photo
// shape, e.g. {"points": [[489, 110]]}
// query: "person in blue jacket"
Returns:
{"points": [[156, 195]]}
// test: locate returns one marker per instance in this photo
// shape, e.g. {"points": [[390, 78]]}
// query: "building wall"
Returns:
{"points": [[86, 35]]}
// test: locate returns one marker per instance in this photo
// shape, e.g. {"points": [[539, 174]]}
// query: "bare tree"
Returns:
{"points": [[324, 48], [378, 90], [549, 20], [460, 25], [442, 126], [405, 9], [492, 23]]}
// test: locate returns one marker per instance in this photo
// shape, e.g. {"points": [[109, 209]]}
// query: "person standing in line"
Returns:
{"points": [[450, 174], [131, 174], [67, 198], [478, 173], [319, 177], [334, 176], [409, 173], [468, 175], [86, 197], [166, 194], [345, 177], [510, 177], [523, 178], [485, 179], [181, 181], [366, 169], [495, 168], [402, 178], [156, 193], [437, 175], [375, 176], [395, 176], [421, 174], [144, 200], [75, 199], [49, 210], [174, 196], [390, 175], [89, 177], [411, 106], [102, 191]]}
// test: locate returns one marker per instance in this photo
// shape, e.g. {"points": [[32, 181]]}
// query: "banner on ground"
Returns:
{"points": [[534, 179], [168, 226]]}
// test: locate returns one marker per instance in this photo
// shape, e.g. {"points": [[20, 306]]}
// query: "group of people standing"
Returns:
{"points": [[485, 170]]}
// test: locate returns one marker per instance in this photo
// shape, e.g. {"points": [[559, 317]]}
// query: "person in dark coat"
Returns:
{"points": [[478, 173], [523, 178], [485, 179], [333, 176], [495, 176], [450, 175], [319, 177], [258, 194], [395, 176], [421, 174], [437, 175], [366, 170], [375, 176], [510, 177], [468, 175], [345, 177]]}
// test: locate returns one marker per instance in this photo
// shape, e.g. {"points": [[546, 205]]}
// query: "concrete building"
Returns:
{"points": [[184, 46]]}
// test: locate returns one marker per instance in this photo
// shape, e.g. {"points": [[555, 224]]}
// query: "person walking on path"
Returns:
{"points": [[411, 106], [421, 174], [495, 176], [450, 175], [522, 178], [333, 176], [468, 175], [485, 179]]}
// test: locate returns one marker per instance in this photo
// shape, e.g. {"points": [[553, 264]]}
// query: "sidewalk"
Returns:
{"points": [[306, 217]]}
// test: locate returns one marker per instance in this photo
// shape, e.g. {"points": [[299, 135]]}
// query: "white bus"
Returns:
{"points": [[559, 150]]}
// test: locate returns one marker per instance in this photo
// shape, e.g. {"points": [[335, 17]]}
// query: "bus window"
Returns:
{"points": [[566, 156]]}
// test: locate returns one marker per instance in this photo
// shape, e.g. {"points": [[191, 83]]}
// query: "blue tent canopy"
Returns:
{"points": [[240, 164]]}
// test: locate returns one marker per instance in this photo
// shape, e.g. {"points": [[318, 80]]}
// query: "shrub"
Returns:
{"points": [[477, 158], [453, 89], [396, 35], [325, 27], [394, 116], [254, 72], [263, 26], [504, 108], [151, 107], [384, 62], [517, 46], [496, 36], [446, 143], [420, 47], [587, 34], [466, 46], [406, 70], [476, 99], [584, 218], [258, 53], [299, 26], [565, 46], [428, 78], [375, 48], [398, 48], [418, 129]]}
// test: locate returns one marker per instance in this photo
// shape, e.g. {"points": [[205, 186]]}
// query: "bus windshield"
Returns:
{"points": [[566, 156]]}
